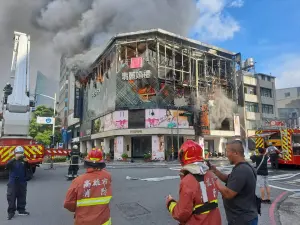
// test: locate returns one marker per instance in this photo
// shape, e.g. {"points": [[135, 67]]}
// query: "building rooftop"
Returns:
{"points": [[163, 32], [267, 75]]}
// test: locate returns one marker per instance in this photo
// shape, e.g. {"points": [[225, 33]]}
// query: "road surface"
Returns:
{"points": [[134, 202]]}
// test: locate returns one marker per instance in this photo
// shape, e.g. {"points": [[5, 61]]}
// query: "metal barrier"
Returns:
{"points": [[56, 152]]}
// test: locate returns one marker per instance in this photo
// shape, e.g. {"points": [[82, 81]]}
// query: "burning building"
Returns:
{"points": [[138, 93]]}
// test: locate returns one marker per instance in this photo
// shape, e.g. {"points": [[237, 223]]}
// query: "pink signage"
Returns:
{"points": [[136, 63]]}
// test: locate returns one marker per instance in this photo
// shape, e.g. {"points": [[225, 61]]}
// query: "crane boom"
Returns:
{"points": [[16, 114]]}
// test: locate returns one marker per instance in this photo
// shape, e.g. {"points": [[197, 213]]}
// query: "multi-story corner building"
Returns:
{"points": [[63, 100], [141, 84], [259, 101], [44, 86], [288, 104], [67, 104], [74, 108]]}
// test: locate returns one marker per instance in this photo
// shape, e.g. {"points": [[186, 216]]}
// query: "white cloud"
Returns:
{"points": [[237, 3], [214, 23], [286, 69]]}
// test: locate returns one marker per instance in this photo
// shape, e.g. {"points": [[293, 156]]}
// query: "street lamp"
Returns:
{"points": [[54, 112]]}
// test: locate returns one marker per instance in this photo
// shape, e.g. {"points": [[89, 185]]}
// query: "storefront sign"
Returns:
{"points": [[78, 100], [118, 147], [204, 120], [165, 118], [158, 147], [136, 75], [136, 131], [136, 63]]}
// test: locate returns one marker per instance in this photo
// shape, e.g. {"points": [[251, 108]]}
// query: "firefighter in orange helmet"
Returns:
{"points": [[198, 195], [90, 193]]}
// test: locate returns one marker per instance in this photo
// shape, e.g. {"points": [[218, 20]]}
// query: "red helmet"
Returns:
{"points": [[190, 152], [94, 156]]}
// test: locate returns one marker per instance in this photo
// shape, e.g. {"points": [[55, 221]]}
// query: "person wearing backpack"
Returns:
{"points": [[17, 184], [261, 162]]}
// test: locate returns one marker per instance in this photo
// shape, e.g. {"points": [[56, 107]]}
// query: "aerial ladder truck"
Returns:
{"points": [[16, 109]]}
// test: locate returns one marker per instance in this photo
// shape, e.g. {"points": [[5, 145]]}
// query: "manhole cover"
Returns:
{"points": [[132, 210]]}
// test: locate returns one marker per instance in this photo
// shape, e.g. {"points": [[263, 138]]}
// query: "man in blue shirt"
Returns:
{"points": [[17, 184]]}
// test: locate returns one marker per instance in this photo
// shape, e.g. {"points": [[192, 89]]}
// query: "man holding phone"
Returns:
{"points": [[17, 184]]}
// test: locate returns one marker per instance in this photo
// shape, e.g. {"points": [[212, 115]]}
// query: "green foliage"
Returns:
{"points": [[124, 156], [56, 159], [147, 156], [44, 137], [42, 132]]}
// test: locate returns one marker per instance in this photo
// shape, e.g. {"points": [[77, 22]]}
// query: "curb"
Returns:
{"points": [[112, 166], [274, 211]]}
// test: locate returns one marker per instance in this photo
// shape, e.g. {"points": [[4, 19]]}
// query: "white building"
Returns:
{"points": [[259, 100], [288, 104]]}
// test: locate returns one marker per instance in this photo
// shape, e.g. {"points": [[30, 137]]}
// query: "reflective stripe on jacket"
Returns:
{"points": [[192, 195], [89, 196]]}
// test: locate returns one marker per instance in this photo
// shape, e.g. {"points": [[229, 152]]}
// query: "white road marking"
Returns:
{"points": [[153, 178], [285, 189], [218, 167], [287, 176]]}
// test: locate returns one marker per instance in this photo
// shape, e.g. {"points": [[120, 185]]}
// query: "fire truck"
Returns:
{"points": [[285, 139], [16, 109]]}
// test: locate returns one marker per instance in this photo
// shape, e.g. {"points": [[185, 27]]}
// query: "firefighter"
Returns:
{"points": [[90, 193], [274, 155], [74, 161], [17, 184], [198, 195]]}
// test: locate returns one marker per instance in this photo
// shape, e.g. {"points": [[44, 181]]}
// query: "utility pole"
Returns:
{"points": [[53, 123]]}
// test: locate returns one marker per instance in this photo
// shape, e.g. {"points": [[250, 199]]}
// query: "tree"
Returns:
{"points": [[42, 132]]}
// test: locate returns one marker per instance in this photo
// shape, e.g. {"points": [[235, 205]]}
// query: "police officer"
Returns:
{"points": [[17, 184], [74, 161]]}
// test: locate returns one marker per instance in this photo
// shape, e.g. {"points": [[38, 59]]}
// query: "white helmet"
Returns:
{"points": [[75, 147], [19, 150]]}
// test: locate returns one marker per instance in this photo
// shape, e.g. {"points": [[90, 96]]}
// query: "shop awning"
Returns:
{"points": [[262, 135]]}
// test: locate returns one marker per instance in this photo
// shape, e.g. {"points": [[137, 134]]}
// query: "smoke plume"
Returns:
{"points": [[221, 108], [86, 26], [80, 28]]}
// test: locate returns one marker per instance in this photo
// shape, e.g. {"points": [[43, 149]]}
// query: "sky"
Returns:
{"points": [[266, 30]]}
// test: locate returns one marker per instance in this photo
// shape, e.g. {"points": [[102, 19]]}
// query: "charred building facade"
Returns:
{"points": [[138, 94]]}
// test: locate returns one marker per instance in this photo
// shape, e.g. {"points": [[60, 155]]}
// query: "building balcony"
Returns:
{"points": [[266, 84], [251, 98], [252, 116], [267, 100], [249, 80]]}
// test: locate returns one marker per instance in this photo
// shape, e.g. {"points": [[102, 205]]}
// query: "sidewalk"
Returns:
{"points": [[289, 209]]}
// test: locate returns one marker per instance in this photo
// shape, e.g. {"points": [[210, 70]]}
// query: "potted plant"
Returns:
{"points": [[107, 156], [124, 156], [206, 154], [168, 155], [147, 157]]}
